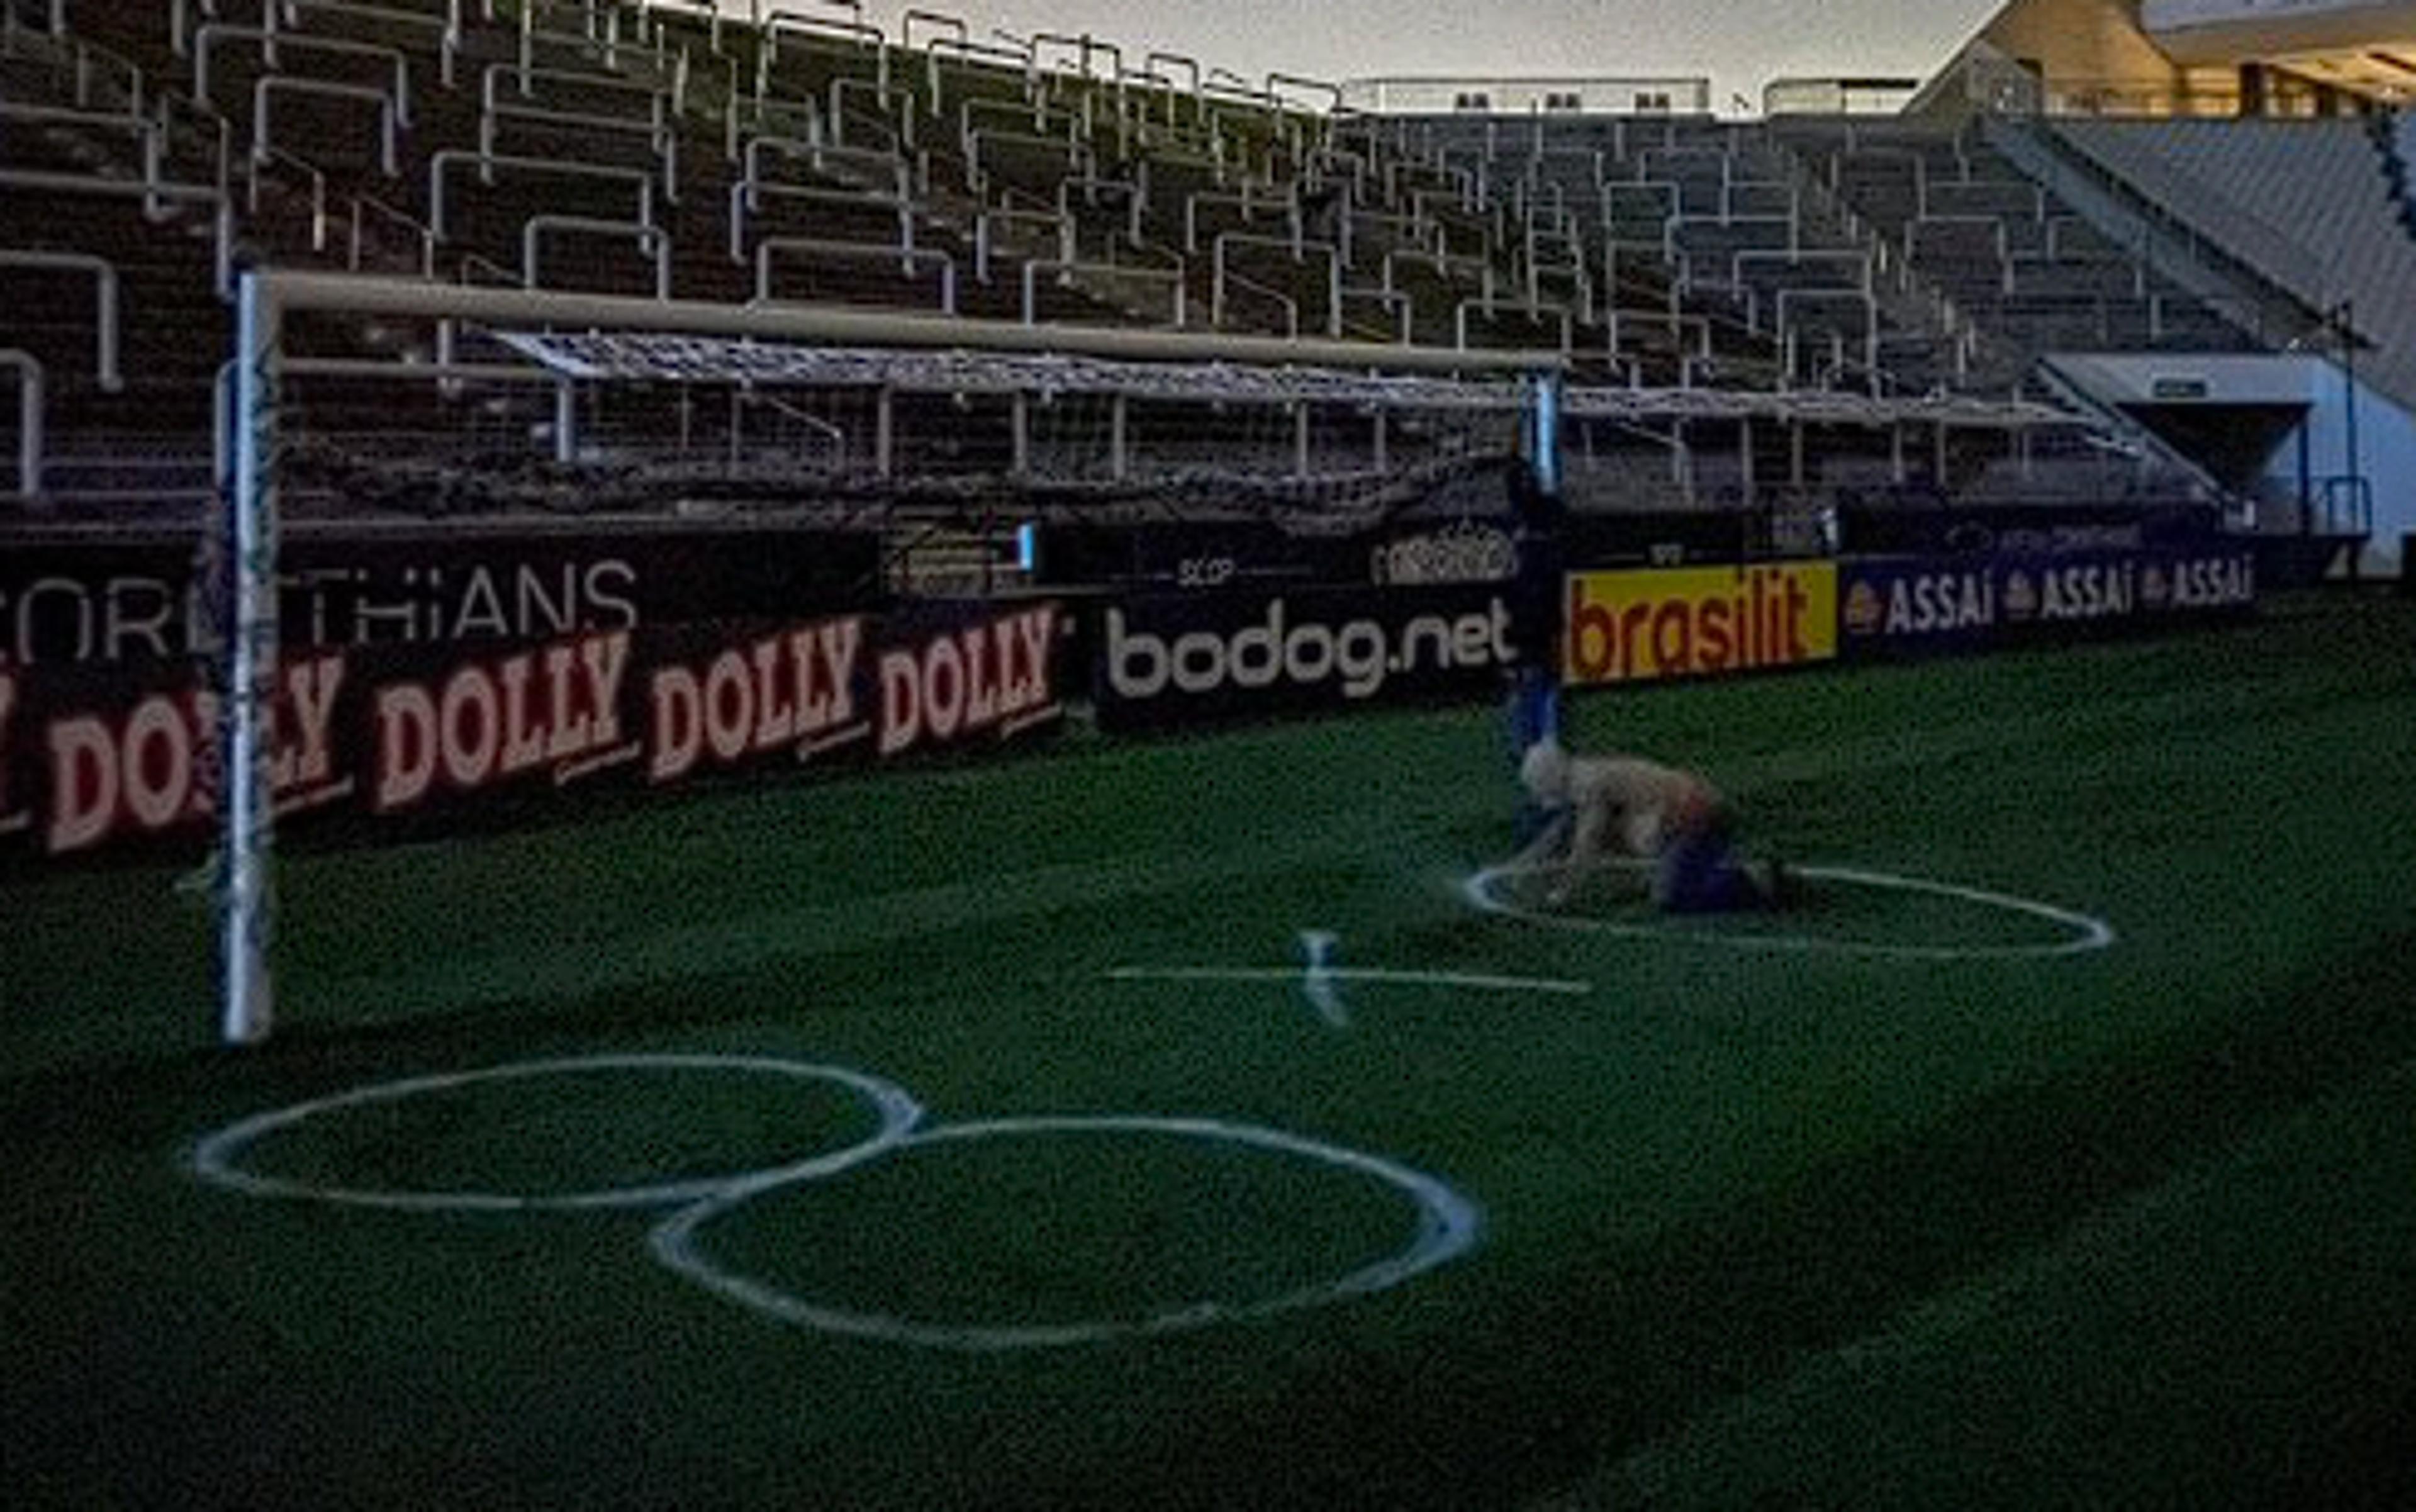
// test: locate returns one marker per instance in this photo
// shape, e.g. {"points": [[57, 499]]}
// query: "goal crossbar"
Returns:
{"points": [[279, 293]]}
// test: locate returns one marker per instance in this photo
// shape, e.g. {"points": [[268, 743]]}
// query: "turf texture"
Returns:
{"points": [[1757, 1224]]}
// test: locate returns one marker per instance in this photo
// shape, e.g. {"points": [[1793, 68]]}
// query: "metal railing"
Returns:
{"points": [[368, 210], [992, 227], [1789, 329], [83, 184], [1068, 273], [652, 240], [657, 127], [747, 197], [452, 158], [148, 132], [107, 327], [2250, 249], [272, 43], [285, 16], [1288, 306], [30, 409], [1298, 250], [1534, 309], [841, 252], [270, 86]]}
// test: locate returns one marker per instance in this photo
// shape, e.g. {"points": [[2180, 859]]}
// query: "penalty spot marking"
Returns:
{"points": [[216, 1158], [1317, 982], [1448, 1226], [2086, 934]]}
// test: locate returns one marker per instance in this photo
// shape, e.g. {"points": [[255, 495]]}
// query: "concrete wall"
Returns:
{"points": [[2386, 454], [2081, 40], [2386, 432], [2094, 56]]}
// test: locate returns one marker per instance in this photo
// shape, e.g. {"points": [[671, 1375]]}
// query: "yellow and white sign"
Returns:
{"points": [[1686, 622]]}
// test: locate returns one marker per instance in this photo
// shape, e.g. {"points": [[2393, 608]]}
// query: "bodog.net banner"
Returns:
{"points": [[1168, 661], [1694, 622], [98, 759]]}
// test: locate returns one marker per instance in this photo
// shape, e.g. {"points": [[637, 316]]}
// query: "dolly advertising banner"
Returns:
{"points": [[136, 599], [95, 759], [1175, 660], [1900, 606], [1689, 622]]}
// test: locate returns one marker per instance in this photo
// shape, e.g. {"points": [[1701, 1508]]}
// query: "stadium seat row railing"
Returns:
{"points": [[107, 303], [32, 407]]}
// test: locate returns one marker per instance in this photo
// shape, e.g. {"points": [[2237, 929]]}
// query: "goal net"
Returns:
{"points": [[830, 444]]}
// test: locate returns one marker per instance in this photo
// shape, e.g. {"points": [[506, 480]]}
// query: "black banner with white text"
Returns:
{"points": [[1171, 661], [118, 597]]}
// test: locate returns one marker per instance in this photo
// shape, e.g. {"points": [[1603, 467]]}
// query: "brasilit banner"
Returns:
{"points": [[1698, 622]]}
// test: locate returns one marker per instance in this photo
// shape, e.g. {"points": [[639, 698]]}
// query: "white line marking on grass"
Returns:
{"points": [[539, 965], [1470, 981], [2088, 932], [821, 744], [216, 1159], [1025, 721], [318, 798], [569, 772], [1317, 979], [1448, 1226]]}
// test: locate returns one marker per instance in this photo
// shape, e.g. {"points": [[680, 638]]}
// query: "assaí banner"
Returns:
{"points": [[1899, 605], [95, 760]]}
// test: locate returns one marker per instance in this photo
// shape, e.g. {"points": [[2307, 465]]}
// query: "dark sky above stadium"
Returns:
{"points": [[1739, 43]]}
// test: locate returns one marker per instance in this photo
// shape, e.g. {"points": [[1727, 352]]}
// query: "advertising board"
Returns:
{"points": [[1172, 660], [1687, 622], [95, 758], [1910, 605], [122, 597]]}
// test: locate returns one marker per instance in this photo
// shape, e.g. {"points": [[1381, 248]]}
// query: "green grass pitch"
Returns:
{"points": [[1747, 1223]]}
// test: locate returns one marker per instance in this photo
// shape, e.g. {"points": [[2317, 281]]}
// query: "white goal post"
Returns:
{"points": [[249, 524]]}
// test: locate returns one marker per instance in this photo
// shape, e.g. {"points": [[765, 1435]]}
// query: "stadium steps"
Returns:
{"points": [[1982, 231], [2395, 141], [1442, 157], [147, 436], [2302, 203]]}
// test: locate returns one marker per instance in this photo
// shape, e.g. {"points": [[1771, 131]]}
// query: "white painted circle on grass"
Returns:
{"points": [[216, 1158], [2083, 931], [1448, 1226]]}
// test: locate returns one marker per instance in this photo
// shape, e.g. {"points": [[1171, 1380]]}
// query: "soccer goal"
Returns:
{"points": [[920, 432]]}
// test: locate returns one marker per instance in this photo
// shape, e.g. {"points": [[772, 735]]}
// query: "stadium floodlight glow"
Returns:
{"points": [[1207, 366]]}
